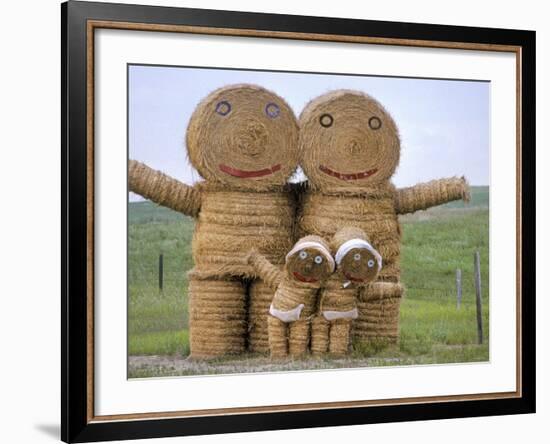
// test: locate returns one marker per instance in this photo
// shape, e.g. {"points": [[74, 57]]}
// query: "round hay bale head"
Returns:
{"points": [[244, 136], [348, 141], [310, 260]]}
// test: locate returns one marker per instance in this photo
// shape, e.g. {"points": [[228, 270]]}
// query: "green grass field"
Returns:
{"points": [[435, 243]]}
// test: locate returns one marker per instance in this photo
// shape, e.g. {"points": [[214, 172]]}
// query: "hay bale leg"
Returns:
{"points": [[319, 335], [298, 337], [339, 337], [278, 337], [261, 296], [378, 320], [217, 317]]}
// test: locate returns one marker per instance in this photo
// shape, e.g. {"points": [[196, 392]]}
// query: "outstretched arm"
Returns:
{"points": [[163, 189], [381, 290], [271, 275], [430, 194]]}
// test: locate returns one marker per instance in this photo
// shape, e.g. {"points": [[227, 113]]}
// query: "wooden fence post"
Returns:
{"points": [[458, 287], [477, 276], [161, 271]]}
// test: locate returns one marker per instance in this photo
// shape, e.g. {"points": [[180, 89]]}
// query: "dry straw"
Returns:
{"points": [[339, 296], [350, 149], [242, 139], [296, 288]]}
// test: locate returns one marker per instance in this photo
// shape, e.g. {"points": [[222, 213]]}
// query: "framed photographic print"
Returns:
{"points": [[275, 221]]}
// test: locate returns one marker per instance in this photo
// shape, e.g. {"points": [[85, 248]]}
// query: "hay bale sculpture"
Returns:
{"points": [[307, 266], [350, 149], [242, 139], [357, 265]]}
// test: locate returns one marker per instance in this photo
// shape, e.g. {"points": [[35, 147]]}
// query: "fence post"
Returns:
{"points": [[477, 276], [458, 287], [161, 271]]}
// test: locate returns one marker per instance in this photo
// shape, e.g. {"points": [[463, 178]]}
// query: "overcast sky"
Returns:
{"points": [[444, 124]]}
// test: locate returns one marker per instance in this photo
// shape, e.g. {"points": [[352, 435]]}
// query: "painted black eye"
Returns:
{"points": [[375, 123], [272, 110], [326, 120], [223, 108]]}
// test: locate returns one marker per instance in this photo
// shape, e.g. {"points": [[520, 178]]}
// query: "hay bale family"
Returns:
{"points": [[292, 269]]}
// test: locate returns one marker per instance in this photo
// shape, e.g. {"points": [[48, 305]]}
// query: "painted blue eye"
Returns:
{"points": [[272, 110], [223, 108], [375, 123], [370, 263]]}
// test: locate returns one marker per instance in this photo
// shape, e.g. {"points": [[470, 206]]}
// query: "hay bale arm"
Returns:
{"points": [[431, 194], [163, 190], [268, 272]]}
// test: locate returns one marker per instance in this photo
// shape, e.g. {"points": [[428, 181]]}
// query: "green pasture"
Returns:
{"points": [[435, 243]]}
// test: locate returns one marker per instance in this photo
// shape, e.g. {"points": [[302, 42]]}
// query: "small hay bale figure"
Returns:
{"points": [[242, 139], [308, 264], [350, 149], [357, 264]]}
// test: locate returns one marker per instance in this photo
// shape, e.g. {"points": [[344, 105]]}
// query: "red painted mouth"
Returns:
{"points": [[350, 176], [235, 172], [303, 278], [353, 279]]}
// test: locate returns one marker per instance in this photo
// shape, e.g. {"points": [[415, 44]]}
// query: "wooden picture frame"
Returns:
{"points": [[79, 22]]}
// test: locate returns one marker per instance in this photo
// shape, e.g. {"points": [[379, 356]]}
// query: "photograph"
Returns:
{"points": [[284, 221]]}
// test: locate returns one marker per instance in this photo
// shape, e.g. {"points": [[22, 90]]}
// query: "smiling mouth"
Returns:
{"points": [[235, 172], [303, 278], [350, 176], [353, 279]]}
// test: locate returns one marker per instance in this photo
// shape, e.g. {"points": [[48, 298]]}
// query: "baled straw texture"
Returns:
{"points": [[245, 137], [232, 222], [378, 319], [347, 140], [350, 149], [320, 328], [278, 340], [163, 189], [431, 194], [333, 297], [372, 211], [298, 337], [261, 296], [217, 317], [334, 336], [243, 140], [345, 234], [289, 294], [339, 339]]}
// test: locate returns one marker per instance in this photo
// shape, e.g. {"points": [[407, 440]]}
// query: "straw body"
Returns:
{"points": [[350, 149], [292, 305], [242, 139]]}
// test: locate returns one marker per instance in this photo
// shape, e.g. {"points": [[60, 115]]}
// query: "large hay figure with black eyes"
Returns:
{"points": [[307, 266], [242, 140], [350, 147]]}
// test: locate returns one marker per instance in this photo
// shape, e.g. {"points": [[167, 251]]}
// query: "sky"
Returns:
{"points": [[444, 124]]}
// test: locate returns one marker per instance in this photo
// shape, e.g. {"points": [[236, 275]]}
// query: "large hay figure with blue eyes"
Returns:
{"points": [[351, 147], [242, 140]]}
